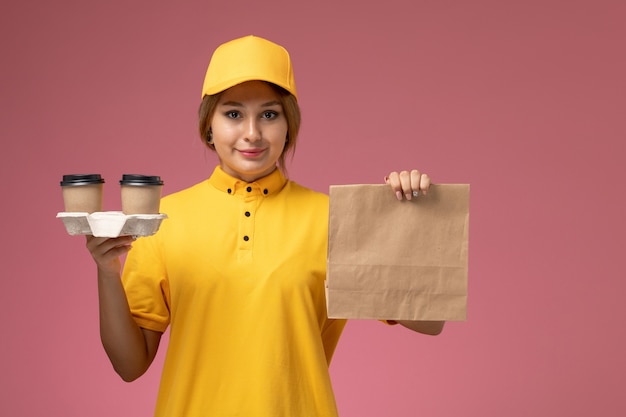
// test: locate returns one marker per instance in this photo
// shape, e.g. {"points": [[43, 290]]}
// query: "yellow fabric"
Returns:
{"points": [[246, 59], [249, 335]]}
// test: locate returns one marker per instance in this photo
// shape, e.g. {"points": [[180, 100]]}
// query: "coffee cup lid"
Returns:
{"points": [[81, 179], [135, 179]]}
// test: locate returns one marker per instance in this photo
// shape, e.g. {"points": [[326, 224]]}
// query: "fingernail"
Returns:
{"points": [[399, 195]]}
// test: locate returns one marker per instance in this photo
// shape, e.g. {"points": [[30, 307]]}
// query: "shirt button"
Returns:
{"points": [[247, 214], [265, 191], [229, 191], [249, 189], [246, 238]]}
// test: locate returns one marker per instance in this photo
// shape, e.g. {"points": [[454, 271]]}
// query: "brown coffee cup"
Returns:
{"points": [[82, 192], [141, 194]]}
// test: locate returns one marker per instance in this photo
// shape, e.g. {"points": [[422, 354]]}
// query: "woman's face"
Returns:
{"points": [[249, 130]]}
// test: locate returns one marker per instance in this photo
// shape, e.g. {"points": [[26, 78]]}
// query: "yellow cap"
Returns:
{"points": [[247, 59]]}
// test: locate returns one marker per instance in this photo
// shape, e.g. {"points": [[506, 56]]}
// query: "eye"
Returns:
{"points": [[232, 114], [269, 114]]}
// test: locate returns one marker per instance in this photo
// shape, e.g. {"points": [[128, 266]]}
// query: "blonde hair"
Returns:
{"points": [[290, 107]]}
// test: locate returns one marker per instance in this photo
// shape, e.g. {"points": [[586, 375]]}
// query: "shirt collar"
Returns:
{"points": [[265, 186]]}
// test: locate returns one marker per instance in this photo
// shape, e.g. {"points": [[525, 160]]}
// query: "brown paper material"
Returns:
{"points": [[398, 260]]}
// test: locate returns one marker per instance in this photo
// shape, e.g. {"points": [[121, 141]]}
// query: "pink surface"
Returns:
{"points": [[523, 100]]}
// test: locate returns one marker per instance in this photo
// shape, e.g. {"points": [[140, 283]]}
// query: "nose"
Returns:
{"points": [[252, 130]]}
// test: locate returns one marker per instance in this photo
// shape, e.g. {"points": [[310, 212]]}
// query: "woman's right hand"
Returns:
{"points": [[130, 348], [107, 251]]}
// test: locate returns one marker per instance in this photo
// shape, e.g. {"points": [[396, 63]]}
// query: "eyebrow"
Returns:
{"points": [[237, 104]]}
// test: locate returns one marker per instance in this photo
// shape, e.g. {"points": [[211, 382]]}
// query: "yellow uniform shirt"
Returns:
{"points": [[237, 271]]}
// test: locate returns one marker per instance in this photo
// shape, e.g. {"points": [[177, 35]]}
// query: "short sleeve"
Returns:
{"points": [[146, 285]]}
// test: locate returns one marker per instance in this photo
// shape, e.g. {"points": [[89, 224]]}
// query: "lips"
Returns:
{"points": [[251, 153]]}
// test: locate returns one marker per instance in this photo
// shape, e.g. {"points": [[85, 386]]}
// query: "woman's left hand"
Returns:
{"points": [[408, 184]]}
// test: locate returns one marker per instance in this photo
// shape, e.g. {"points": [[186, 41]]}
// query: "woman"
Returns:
{"points": [[237, 271]]}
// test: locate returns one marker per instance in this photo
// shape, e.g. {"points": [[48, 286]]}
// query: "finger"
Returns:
{"points": [[116, 252], [393, 180], [103, 250], [93, 243], [415, 182], [405, 183], [424, 183], [103, 244]]}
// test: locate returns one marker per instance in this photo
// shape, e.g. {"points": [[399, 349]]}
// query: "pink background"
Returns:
{"points": [[523, 100]]}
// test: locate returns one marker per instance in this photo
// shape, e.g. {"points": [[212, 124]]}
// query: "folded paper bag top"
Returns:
{"points": [[398, 260]]}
